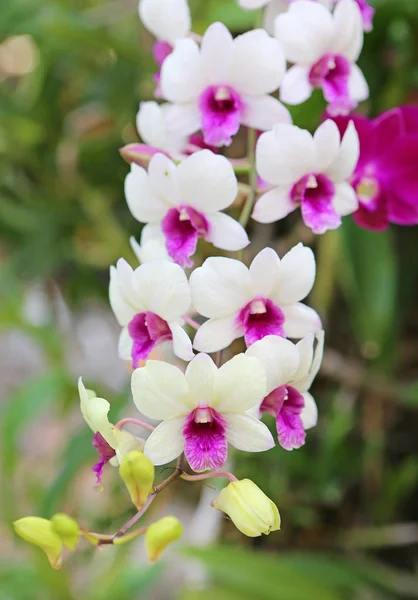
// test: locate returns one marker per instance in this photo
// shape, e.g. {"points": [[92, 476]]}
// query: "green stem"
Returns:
{"points": [[249, 202], [204, 476]]}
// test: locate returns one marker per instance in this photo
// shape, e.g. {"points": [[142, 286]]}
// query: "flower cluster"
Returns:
{"points": [[244, 308]]}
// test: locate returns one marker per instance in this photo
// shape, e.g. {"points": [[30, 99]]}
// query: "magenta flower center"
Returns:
{"points": [[147, 330], [259, 318], [105, 451], [332, 73], [221, 108], [205, 444], [315, 192], [285, 403], [182, 227]]}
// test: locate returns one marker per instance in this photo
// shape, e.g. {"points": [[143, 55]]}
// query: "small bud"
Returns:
{"points": [[140, 154], [67, 529], [40, 532], [251, 511], [137, 471], [160, 534]]}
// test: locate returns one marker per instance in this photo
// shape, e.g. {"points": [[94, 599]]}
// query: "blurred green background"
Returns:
{"points": [[71, 75]]}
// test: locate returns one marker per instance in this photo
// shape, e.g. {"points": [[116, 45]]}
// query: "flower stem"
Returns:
{"points": [[191, 322], [249, 202], [204, 476], [124, 422]]}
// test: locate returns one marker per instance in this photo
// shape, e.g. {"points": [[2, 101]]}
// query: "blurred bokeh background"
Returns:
{"points": [[71, 75]]}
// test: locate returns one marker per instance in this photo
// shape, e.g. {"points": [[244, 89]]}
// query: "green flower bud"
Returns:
{"points": [[160, 534], [137, 471], [251, 511], [67, 529], [41, 533]]}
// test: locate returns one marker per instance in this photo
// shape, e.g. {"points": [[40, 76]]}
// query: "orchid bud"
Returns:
{"points": [[160, 534], [67, 529], [137, 471], [251, 511], [41, 533]]}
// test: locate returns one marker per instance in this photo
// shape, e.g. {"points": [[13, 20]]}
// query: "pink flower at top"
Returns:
{"points": [[386, 175], [290, 371], [253, 302], [182, 203], [324, 47], [223, 84], [168, 20], [310, 172]]}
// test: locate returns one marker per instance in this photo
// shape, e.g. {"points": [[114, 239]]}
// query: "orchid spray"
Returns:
{"points": [[205, 320]]}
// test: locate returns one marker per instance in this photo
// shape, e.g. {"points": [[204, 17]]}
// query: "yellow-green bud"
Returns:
{"points": [[160, 534], [40, 532], [251, 511], [137, 471], [67, 529]]}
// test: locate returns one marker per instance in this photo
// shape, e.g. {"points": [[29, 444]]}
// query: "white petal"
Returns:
{"points": [[220, 287], [247, 433], [216, 334], [348, 36], [273, 8], [166, 442], [151, 249], [285, 154], [240, 384], [168, 20], [226, 233], [357, 85], [162, 177], [143, 203], [345, 200], [264, 271], [309, 414], [95, 411], [345, 162], [258, 63], [305, 351], [200, 375], [126, 442], [216, 53], [182, 344], [303, 384], [153, 130], [300, 320], [262, 112], [252, 4], [327, 143], [296, 275], [181, 73], [163, 289], [207, 181], [295, 87], [279, 357], [274, 205], [305, 31], [160, 391], [182, 119], [122, 306], [125, 345]]}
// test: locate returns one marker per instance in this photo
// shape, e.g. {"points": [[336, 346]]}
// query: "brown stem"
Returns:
{"points": [[124, 422], [204, 476]]}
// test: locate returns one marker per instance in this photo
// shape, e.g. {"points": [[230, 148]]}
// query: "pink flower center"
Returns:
{"points": [[182, 227], [286, 404], [221, 109], [331, 73], [147, 330], [105, 451], [205, 444], [315, 193], [367, 13], [259, 318]]}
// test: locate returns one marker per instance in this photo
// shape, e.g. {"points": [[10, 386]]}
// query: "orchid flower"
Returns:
{"points": [[202, 410], [255, 302], [183, 203], [224, 84], [290, 371], [274, 8], [307, 171], [151, 247], [148, 303], [324, 47]]}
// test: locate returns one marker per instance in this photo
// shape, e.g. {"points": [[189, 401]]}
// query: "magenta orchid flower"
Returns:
{"points": [[290, 371], [202, 410], [223, 84], [386, 176], [253, 302], [310, 172], [183, 203], [324, 47]]}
